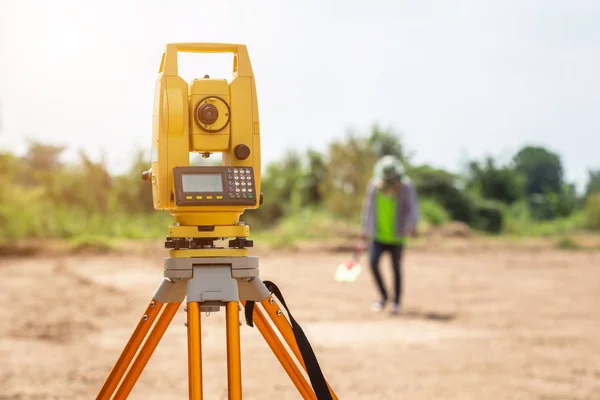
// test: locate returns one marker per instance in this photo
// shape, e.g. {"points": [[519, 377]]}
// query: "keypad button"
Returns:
{"points": [[237, 196], [237, 189], [244, 196], [237, 184], [236, 177], [247, 171], [235, 170], [250, 190]]}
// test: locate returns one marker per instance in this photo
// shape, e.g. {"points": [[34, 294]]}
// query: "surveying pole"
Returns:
{"points": [[207, 116]]}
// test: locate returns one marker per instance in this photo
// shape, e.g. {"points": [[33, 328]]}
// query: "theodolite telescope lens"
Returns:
{"points": [[207, 114]]}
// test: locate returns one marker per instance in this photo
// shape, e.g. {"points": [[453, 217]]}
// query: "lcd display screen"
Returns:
{"points": [[202, 182]]}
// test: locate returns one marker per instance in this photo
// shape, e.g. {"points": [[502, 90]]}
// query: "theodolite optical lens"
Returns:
{"points": [[208, 114]]}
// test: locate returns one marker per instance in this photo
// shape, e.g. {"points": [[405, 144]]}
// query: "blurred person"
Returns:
{"points": [[390, 214]]}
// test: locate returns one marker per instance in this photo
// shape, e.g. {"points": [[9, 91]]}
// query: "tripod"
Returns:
{"points": [[210, 283]]}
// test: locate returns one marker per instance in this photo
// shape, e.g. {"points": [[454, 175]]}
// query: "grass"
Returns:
{"points": [[101, 233], [309, 224], [525, 227], [568, 243], [93, 243], [71, 224]]}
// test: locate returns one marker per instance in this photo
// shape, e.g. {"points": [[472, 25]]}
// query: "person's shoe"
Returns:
{"points": [[396, 308], [378, 306]]}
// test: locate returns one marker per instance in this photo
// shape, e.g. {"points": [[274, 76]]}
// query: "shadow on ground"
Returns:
{"points": [[428, 315]]}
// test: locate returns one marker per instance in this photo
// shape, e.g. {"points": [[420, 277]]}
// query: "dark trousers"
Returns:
{"points": [[395, 251]]}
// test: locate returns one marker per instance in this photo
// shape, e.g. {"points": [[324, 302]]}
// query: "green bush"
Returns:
{"points": [[568, 243], [518, 221], [433, 212], [24, 214], [592, 211], [442, 187], [490, 216]]}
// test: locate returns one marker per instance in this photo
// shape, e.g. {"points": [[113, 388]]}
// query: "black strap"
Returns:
{"points": [[313, 369]]}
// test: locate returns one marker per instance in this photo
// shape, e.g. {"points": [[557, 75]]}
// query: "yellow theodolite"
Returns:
{"points": [[210, 116]]}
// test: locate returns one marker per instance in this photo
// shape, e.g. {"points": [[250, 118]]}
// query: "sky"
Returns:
{"points": [[456, 78]]}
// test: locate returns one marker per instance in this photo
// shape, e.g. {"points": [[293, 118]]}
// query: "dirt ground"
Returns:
{"points": [[480, 324]]}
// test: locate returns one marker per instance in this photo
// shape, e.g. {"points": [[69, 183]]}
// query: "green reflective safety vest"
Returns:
{"points": [[386, 220]]}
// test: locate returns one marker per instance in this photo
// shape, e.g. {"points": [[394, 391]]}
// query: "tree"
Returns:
{"points": [[545, 190], [281, 185], [130, 193], [592, 211], [387, 142], [316, 172], [349, 167], [593, 183], [443, 187], [542, 169], [44, 156], [503, 184]]}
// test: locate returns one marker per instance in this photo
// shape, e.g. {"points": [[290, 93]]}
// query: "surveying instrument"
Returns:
{"points": [[211, 115]]}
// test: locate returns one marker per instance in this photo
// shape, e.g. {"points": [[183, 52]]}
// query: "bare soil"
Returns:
{"points": [[486, 323]]}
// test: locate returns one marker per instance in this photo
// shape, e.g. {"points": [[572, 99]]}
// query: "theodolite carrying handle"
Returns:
{"points": [[241, 60]]}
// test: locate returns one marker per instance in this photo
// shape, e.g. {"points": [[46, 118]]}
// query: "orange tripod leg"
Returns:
{"points": [[194, 351], [147, 349], [286, 331], [234, 361], [282, 355], [129, 351]]}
